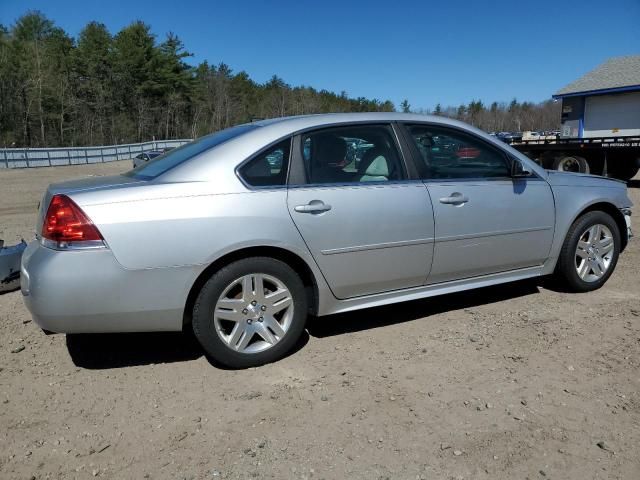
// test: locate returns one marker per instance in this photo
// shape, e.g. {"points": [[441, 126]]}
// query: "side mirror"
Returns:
{"points": [[519, 170]]}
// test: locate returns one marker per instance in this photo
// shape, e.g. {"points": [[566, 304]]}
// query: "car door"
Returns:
{"points": [[368, 227], [485, 221]]}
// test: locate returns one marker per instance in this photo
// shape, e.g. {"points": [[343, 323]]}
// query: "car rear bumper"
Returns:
{"points": [[90, 292]]}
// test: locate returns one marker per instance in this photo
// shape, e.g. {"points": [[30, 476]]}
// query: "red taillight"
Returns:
{"points": [[65, 222]]}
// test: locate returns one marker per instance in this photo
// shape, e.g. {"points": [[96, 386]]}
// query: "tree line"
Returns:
{"points": [[511, 116], [99, 88], [102, 88]]}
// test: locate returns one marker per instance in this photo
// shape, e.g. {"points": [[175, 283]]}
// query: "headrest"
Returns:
{"points": [[329, 149], [378, 167]]}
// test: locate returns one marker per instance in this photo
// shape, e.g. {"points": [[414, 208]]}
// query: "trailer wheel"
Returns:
{"points": [[571, 164]]}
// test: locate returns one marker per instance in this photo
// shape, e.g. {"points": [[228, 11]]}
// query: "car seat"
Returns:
{"points": [[374, 166]]}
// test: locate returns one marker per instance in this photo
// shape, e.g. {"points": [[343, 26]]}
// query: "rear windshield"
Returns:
{"points": [[161, 164]]}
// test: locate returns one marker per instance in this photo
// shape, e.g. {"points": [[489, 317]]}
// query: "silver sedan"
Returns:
{"points": [[240, 235]]}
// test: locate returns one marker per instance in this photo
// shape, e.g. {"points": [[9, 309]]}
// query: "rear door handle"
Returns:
{"points": [[456, 198], [314, 206]]}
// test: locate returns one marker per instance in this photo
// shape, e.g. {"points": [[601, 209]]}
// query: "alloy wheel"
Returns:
{"points": [[594, 253], [253, 313]]}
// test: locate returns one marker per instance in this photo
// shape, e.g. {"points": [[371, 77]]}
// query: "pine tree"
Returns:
{"points": [[104, 89]]}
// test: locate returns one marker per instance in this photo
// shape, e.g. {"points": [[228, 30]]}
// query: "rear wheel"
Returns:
{"points": [[250, 312], [590, 252], [571, 164]]}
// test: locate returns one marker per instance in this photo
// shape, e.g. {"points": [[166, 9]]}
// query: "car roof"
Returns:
{"points": [[267, 132], [302, 122]]}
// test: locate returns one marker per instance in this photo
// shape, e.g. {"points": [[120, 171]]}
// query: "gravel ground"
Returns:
{"points": [[515, 381]]}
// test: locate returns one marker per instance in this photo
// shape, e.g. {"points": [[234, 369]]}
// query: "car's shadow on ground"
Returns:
{"points": [[633, 184], [102, 351], [97, 351], [118, 350]]}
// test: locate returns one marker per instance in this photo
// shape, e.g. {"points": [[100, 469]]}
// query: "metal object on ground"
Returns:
{"points": [[10, 266]]}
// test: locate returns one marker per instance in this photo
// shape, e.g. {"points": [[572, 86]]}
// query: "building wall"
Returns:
{"points": [[572, 115], [609, 115], [612, 115]]}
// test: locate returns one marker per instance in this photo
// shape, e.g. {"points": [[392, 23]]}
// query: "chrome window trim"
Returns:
{"points": [[533, 177], [358, 184]]}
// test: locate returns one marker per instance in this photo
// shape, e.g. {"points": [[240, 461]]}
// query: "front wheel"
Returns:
{"points": [[250, 312], [590, 252]]}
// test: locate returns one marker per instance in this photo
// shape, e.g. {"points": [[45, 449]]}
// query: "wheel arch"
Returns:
{"points": [[615, 213], [287, 256]]}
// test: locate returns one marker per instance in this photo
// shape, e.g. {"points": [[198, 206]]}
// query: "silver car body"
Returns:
{"points": [[381, 243]]}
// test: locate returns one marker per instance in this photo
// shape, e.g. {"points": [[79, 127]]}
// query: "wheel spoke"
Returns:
{"points": [[584, 269], [605, 245], [247, 288], [275, 297], [273, 324], [583, 245], [258, 286], [236, 333], [582, 254], [230, 303], [598, 267], [594, 233], [246, 338], [279, 300], [232, 315], [282, 305], [266, 334]]}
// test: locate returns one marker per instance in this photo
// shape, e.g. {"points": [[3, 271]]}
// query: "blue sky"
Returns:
{"points": [[449, 51]]}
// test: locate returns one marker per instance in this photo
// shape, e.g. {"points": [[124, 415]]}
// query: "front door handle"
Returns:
{"points": [[314, 206], [456, 198]]}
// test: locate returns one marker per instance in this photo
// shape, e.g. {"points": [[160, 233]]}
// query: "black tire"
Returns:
{"points": [[566, 267], [560, 163], [203, 323]]}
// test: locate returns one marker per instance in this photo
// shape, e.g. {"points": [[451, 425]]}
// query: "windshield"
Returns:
{"points": [[162, 163]]}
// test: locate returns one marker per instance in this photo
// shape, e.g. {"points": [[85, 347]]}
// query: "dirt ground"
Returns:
{"points": [[510, 382]]}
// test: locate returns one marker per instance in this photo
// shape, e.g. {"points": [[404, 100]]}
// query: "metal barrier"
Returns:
{"points": [[51, 157]]}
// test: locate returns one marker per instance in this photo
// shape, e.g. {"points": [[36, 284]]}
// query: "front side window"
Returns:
{"points": [[353, 154], [451, 154], [268, 168]]}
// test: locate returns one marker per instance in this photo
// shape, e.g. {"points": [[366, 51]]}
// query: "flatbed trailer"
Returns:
{"points": [[617, 157]]}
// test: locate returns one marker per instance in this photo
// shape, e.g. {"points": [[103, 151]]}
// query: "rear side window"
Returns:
{"points": [[161, 164], [451, 154], [268, 168]]}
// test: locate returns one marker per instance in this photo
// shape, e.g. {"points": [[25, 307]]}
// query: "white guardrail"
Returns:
{"points": [[51, 157]]}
